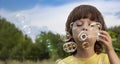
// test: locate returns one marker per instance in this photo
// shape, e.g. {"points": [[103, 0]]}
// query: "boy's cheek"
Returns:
{"points": [[76, 32]]}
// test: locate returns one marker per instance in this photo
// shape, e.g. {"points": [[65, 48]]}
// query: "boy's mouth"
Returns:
{"points": [[85, 45], [82, 36]]}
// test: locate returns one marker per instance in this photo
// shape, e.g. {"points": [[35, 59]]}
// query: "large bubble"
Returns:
{"points": [[23, 22]]}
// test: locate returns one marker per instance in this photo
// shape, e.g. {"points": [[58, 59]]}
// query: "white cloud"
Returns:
{"points": [[55, 17]]}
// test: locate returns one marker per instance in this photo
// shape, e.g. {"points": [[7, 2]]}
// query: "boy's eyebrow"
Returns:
{"points": [[83, 21], [79, 21]]}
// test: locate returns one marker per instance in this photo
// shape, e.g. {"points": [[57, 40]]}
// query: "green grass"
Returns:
{"points": [[28, 62]]}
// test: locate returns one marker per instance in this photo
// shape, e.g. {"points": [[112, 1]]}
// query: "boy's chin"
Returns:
{"points": [[86, 45]]}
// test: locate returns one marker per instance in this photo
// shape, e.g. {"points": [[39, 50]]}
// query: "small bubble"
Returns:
{"points": [[26, 29], [49, 46], [38, 37], [47, 41], [63, 38], [20, 18], [22, 22], [18, 14]]}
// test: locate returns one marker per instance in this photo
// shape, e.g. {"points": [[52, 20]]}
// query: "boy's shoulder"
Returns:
{"points": [[68, 58], [65, 60], [103, 55]]}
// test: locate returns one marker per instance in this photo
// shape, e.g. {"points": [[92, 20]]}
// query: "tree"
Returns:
{"points": [[12, 41], [115, 34], [51, 44]]}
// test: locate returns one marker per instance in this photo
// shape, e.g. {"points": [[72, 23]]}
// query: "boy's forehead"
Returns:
{"points": [[83, 20]]}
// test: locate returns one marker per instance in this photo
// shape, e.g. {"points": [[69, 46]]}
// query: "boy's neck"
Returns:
{"points": [[84, 53]]}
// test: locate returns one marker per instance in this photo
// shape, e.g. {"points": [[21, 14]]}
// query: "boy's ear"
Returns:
{"points": [[71, 25]]}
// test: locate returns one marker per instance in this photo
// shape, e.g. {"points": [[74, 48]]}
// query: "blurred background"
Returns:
{"points": [[31, 31]]}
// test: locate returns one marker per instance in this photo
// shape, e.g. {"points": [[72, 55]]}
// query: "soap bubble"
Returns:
{"points": [[23, 23], [26, 29], [63, 38], [20, 18]]}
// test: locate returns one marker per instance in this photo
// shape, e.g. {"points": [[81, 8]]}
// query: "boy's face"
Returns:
{"points": [[89, 28]]}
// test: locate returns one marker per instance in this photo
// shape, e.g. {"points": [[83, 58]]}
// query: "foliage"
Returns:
{"points": [[115, 34], [15, 45], [12, 41], [52, 44]]}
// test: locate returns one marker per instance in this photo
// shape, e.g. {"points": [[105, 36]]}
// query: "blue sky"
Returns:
{"points": [[17, 4], [32, 16], [14, 5]]}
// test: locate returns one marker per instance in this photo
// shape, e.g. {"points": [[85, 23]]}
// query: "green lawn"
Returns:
{"points": [[28, 62]]}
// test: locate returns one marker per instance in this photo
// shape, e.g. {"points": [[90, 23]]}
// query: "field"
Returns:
{"points": [[28, 62]]}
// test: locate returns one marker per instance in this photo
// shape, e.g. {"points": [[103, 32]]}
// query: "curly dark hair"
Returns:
{"points": [[86, 11]]}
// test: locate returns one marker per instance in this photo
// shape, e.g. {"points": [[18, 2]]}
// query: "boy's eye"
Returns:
{"points": [[79, 25], [91, 25]]}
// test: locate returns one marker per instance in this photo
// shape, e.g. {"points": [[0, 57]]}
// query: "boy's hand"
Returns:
{"points": [[106, 39]]}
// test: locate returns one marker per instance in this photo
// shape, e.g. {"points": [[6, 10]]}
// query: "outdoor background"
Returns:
{"points": [[31, 31]]}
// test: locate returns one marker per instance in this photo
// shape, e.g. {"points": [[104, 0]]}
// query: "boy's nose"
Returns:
{"points": [[85, 28]]}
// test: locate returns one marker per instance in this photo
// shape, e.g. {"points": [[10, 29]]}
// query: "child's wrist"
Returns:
{"points": [[109, 49]]}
